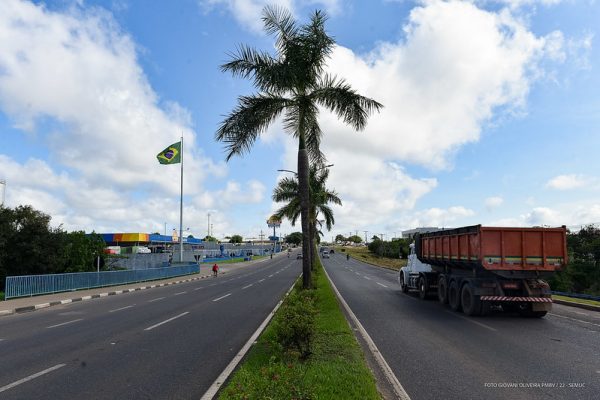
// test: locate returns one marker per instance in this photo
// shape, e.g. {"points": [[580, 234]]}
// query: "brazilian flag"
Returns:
{"points": [[170, 155]]}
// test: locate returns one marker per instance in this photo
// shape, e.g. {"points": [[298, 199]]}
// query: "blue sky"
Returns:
{"points": [[492, 113]]}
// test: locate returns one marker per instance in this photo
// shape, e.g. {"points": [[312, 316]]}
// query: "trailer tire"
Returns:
{"points": [[470, 303], [423, 287], [443, 290], [403, 285], [454, 296]]}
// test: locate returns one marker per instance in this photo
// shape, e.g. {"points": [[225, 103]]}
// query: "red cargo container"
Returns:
{"points": [[495, 249]]}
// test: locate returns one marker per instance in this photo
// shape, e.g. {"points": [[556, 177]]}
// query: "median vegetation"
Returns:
{"points": [[308, 351]]}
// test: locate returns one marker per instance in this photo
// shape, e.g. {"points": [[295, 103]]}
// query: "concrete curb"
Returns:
{"points": [[20, 310], [578, 305]]}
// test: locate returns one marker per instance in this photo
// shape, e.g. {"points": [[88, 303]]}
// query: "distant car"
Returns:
{"points": [[325, 254], [299, 256]]}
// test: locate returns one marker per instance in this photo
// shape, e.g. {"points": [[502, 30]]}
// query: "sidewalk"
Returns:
{"points": [[27, 304]]}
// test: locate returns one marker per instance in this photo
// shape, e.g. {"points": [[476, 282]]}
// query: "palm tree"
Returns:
{"points": [[292, 84], [288, 190]]}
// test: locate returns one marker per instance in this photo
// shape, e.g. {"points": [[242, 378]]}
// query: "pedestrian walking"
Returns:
{"points": [[215, 270]]}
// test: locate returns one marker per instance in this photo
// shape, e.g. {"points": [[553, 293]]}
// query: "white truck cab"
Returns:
{"points": [[413, 275]]}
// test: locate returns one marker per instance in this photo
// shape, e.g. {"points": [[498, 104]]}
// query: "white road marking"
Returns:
{"points": [[168, 320], [574, 319], [30, 377], [198, 288], [357, 273], [122, 308], [64, 323], [381, 284], [580, 313], [222, 297], [247, 286], [177, 294], [157, 299], [366, 277], [270, 276], [261, 280], [470, 320]]}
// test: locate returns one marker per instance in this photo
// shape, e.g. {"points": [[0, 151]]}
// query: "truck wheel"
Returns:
{"points": [[471, 304], [454, 296], [403, 285], [423, 288], [443, 290]]}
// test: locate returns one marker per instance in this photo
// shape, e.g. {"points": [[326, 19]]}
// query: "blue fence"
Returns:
{"points": [[578, 295], [32, 285]]}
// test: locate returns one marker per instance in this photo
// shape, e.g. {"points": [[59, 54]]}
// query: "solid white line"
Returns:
{"points": [[222, 297], [247, 286], [30, 377], [64, 323], [157, 299], [214, 388], [381, 284], [164, 322], [177, 294], [122, 308], [574, 319], [387, 371]]}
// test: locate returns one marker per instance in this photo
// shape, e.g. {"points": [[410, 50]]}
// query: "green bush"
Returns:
{"points": [[295, 322]]}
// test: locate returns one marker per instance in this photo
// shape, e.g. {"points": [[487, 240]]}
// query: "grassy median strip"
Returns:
{"points": [[330, 365], [576, 300], [363, 254]]}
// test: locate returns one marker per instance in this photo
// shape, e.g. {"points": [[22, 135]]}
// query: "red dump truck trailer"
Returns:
{"points": [[475, 268]]}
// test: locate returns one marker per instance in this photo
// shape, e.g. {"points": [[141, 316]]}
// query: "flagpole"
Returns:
{"points": [[181, 208]]}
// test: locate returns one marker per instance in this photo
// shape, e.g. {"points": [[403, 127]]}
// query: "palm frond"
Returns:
{"points": [[248, 120], [339, 97]]}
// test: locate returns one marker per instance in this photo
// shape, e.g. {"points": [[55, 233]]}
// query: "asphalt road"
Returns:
{"points": [[163, 343], [439, 354]]}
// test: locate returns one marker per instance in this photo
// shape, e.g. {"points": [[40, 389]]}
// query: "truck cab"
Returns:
{"points": [[414, 275]]}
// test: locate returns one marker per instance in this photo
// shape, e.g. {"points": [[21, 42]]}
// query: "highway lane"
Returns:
{"points": [[439, 354], [162, 343]]}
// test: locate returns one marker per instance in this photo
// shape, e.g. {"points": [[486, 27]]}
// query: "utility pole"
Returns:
{"points": [[208, 227], [366, 241]]}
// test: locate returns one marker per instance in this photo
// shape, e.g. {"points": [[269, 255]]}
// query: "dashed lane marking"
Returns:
{"points": [[381, 284], [122, 308], [166, 321], [157, 299], [64, 323], [177, 294], [247, 286], [30, 377], [222, 297]]}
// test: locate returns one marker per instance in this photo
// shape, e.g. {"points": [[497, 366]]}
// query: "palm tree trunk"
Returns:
{"points": [[304, 212], [313, 246]]}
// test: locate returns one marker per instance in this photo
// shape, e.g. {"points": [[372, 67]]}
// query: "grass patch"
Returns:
{"points": [[363, 254], [335, 368], [1, 295], [576, 300]]}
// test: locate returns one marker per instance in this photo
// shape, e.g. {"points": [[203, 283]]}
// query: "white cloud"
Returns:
{"points": [[457, 65], [248, 13], [493, 202], [78, 69], [569, 182], [438, 217]]}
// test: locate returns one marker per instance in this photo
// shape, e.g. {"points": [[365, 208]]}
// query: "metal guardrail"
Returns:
{"points": [[578, 295], [33, 285]]}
